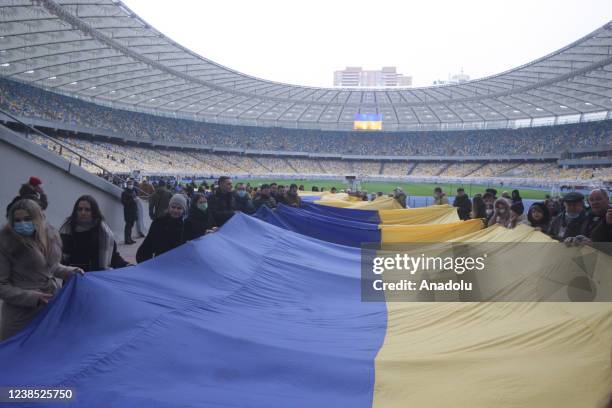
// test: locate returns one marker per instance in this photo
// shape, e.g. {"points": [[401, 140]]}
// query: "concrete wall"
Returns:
{"points": [[62, 181]]}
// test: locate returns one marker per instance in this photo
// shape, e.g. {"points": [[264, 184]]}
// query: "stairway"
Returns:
{"points": [[261, 164], [288, 161], [444, 168], [320, 166], [469, 173], [411, 168]]}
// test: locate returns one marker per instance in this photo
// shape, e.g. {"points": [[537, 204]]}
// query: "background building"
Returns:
{"points": [[358, 77], [453, 79]]}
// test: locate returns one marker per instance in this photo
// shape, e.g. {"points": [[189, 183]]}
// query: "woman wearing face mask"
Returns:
{"points": [[30, 254], [166, 232], [501, 214], [88, 241], [200, 220]]}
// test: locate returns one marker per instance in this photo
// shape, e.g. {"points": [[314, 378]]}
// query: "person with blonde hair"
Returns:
{"points": [[30, 253]]}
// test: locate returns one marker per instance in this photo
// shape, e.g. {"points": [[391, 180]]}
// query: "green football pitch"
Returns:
{"points": [[412, 189]]}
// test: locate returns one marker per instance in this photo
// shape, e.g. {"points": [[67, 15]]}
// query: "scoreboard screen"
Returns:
{"points": [[368, 121]]}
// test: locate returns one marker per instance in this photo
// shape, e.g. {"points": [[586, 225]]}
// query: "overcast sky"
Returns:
{"points": [[304, 42]]}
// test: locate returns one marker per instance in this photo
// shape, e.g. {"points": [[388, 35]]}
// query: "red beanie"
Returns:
{"points": [[35, 181]]}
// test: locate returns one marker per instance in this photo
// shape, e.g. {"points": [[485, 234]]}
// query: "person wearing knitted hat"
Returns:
{"points": [[166, 232], [32, 190]]}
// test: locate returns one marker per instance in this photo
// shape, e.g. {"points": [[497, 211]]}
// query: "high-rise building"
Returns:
{"points": [[356, 77]]}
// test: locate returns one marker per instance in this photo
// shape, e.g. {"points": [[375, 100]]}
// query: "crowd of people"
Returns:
{"points": [[24, 100], [566, 218], [35, 258]]}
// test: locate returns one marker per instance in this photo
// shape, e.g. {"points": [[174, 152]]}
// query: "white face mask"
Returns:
{"points": [[501, 210], [489, 211], [572, 216]]}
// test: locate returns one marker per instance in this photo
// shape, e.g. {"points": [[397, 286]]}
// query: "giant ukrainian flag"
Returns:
{"points": [[434, 214], [260, 316], [334, 227]]}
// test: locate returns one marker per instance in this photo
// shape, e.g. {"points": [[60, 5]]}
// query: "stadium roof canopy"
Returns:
{"points": [[99, 50]]}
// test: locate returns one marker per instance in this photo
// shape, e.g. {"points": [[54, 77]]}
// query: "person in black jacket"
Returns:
{"points": [[32, 190], [274, 192], [87, 241], [479, 208], [243, 199], [603, 231], [489, 200], [165, 233], [264, 198], [517, 201], [200, 220], [223, 202], [598, 226], [463, 204], [572, 222], [130, 211], [281, 195], [293, 199]]}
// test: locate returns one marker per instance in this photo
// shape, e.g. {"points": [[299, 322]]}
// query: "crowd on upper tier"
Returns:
{"points": [[24, 100]]}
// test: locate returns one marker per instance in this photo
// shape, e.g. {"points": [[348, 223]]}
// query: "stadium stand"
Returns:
{"points": [[29, 102], [124, 159]]}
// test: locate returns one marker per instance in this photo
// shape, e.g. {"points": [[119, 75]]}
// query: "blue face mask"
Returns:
{"points": [[203, 206], [25, 228], [241, 193]]}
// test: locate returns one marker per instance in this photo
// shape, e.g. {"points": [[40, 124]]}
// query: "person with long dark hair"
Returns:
{"points": [[539, 217], [479, 208], [88, 241], [517, 202], [30, 255]]}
